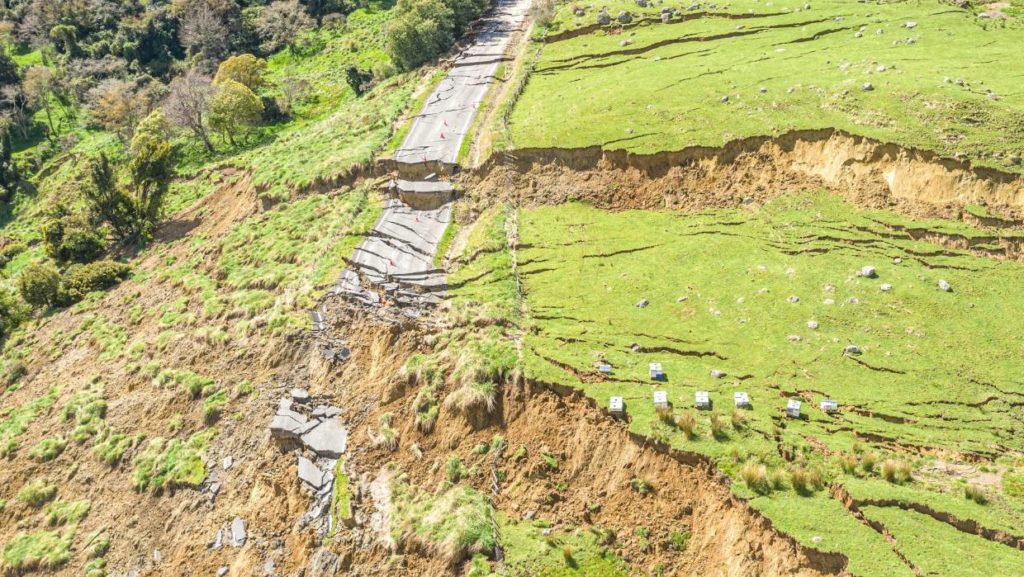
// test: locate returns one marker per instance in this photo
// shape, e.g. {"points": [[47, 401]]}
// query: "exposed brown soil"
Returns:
{"points": [[868, 173], [597, 456]]}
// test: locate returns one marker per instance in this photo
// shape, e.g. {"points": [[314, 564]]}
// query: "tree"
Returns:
{"points": [[39, 88], [39, 284], [65, 39], [280, 24], [187, 104], [234, 107], [152, 168], [208, 27], [421, 31], [118, 105], [107, 201], [69, 238], [8, 70], [245, 69]]}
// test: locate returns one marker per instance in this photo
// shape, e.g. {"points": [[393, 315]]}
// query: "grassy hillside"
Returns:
{"points": [[930, 406], [937, 74]]}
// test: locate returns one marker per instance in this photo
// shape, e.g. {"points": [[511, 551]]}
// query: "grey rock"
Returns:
{"points": [[793, 299], [828, 302], [314, 477], [867, 87], [910, 25], [228, 462], [813, 325], [222, 571], [269, 567], [328, 439], [157, 556], [323, 563], [641, 3], [762, 90], [604, 18], [325, 412], [897, 260], [858, 34], [717, 373], [869, 272], [624, 17], [642, 303], [666, 17], [287, 424], [625, 42], [218, 541], [214, 489], [886, 287], [237, 537], [724, 98], [794, 338], [853, 350], [300, 395], [945, 286], [579, 12], [853, 300]]}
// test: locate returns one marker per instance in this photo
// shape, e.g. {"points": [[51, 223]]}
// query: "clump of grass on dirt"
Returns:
{"points": [[37, 550], [37, 493], [172, 464], [453, 524]]}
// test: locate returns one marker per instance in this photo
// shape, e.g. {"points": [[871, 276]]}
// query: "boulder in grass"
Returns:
{"points": [[945, 286], [853, 350], [869, 272], [604, 18], [624, 17]]}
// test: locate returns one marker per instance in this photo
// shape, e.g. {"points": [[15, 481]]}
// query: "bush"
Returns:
{"points": [[543, 12], [68, 238], [39, 284], [82, 279], [423, 29]]}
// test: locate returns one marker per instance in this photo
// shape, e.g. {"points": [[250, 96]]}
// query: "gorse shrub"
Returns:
{"points": [[39, 284]]}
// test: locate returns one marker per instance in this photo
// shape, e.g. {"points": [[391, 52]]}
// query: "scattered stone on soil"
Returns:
{"points": [[867, 87], [813, 325], [300, 395], [869, 272], [237, 537], [228, 462], [945, 286]]}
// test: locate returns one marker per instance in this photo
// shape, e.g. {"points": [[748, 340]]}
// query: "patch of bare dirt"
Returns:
{"points": [[868, 173]]}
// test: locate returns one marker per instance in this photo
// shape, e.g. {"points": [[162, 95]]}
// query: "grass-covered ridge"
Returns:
{"points": [[934, 387], [937, 74]]}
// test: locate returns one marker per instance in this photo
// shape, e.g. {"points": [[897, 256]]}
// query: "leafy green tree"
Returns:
{"points": [[245, 69], [151, 167], [421, 31], [234, 109], [360, 81], [39, 284], [65, 39]]}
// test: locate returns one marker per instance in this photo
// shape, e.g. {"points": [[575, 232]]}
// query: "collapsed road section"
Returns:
{"points": [[394, 265]]}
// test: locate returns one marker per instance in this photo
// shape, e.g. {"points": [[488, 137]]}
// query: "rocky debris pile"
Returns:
{"points": [[320, 438]]}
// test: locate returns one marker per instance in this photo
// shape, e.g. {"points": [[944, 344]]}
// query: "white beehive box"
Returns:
{"points": [[741, 399], [829, 406], [793, 408], [703, 400], [660, 400], [616, 406], [656, 372]]}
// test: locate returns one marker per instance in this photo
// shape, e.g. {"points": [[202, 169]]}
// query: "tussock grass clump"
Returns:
{"points": [[868, 462], [196, 385], [452, 525], [48, 449], [426, 409], [755, 475], [739, 420], [895, 471], [641, 486], [111, 446], [777, 479], [975, 493], [38, 550], [687, 424], [37, 493], [472, 400], [388, 436], [172, 464], [65, 513], [848, 463], [454, 469], [806, 481], [717, 424]]}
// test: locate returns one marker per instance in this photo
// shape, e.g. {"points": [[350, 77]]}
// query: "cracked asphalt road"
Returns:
{"points": [[444, 121], [395, 263]]}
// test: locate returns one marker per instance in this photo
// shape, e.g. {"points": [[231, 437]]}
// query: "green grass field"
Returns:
{"points": [[937, 384], [653, 86]]}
